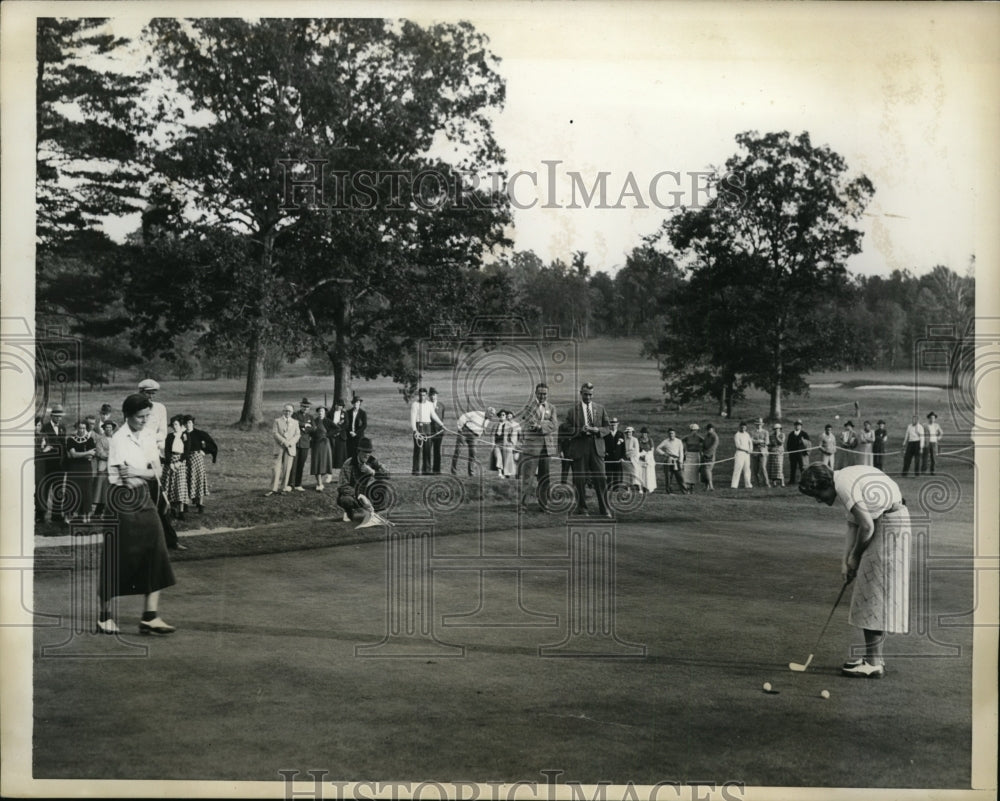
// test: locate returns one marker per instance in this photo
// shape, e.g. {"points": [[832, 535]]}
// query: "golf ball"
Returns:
{"points": [[825, 693], [836, 417], [767, 686]]}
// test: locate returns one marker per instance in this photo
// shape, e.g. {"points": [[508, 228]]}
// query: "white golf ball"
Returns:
{"points": [[767, 686], [825, 693], [836, 417]]}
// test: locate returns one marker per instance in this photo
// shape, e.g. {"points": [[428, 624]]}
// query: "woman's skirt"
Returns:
{"points": [[101, 482], [197, 476], [134, 558], [339, 447], [630, 472], [690, 467], [79, 490], [881, 599], [509, 464], [647, 471], [175, 485], [321, 458], [707, 465], [776, 464], [865, 455]]}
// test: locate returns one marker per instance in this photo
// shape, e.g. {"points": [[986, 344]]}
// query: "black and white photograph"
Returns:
{"points": [[500, 400]]}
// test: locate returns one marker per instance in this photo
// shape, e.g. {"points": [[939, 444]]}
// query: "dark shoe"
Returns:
{"points": [[155, 626]]}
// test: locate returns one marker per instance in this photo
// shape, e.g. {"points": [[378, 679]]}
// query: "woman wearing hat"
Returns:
{"points": [[692, 456], [320, 452], [177, 451], [134, 558], [102, 447], [866, 443], [630, 465], [776, 457], [647, 462], [876, 557]]}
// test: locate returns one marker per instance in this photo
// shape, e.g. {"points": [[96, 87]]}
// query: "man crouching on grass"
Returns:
{"points": [[359, 478]]}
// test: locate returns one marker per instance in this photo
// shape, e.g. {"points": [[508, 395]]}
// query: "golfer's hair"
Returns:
{"points": [[541, 385], [815, 479], [134, 404]]}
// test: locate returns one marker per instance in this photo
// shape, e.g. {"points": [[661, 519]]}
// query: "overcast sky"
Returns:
{"points": [[902, 91]]}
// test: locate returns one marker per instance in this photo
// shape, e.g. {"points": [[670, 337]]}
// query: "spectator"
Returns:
{"points": [[934, 435], [692, 456], [437, 430], [336, 423], [585, 427], [512, 435], [134, 558], [285, 433], [104, 415], [741, 459], [422, 416], [758, 459], [539, 444], [200, 445], [496, 455], [302, 445], [798, 445], [80, 452], [158, 417], [672, 450], [630, 464], [847, 447], [54, 432], [878, 448], [828, 446], [708, 450], [614, 454], [175, 470], [360, 477], [471, 426], [321, 454], [102, 448], [776, 457], [647, 461], [913, 446], [91, 423], [42, 465], [866, 441], [357, 422]]}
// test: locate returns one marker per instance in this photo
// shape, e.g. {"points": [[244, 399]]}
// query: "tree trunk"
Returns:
{"points": [[253, 397], [340, 354], [776, 402], [723, 401]]}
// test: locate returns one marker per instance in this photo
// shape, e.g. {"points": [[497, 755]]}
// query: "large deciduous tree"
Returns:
{"points": [[312, 135], [775, 237]]}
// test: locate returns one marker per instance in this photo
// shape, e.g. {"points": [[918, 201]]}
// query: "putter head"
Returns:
{"points": [[795, 666], [373, 519]]}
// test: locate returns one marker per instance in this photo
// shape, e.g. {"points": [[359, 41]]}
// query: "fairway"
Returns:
{"points": [[711, 597]]}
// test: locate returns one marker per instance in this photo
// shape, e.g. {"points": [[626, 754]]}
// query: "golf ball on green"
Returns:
{"points": [[825, 693], [767, 686]]}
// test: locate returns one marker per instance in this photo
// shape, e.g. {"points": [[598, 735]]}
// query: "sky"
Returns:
{"points": [[640, 90]]}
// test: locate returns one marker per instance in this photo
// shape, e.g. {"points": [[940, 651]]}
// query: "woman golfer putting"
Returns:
{"points": [[876, 556]]}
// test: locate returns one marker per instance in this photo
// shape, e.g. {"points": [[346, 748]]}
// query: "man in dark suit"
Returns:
{"points": [[54, 432], [586, 425], [356, 421], [437, 431], [305, 422], [614, 454]]}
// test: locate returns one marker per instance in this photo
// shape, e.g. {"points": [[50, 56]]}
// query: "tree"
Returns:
{"points": [[366, 101], [784, 217]]}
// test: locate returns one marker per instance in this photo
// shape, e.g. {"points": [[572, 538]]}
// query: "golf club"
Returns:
{"points": [[798, 668]]}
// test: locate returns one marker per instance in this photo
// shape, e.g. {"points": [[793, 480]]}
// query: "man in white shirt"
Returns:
{"points": [[437, 431], [422, 414], [913, 445], [934, 434], [158, 417], [471, 426], [741, 461], [672, 450]]}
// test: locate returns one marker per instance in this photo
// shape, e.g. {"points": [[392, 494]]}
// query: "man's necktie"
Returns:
{"points": [[590, 419]]}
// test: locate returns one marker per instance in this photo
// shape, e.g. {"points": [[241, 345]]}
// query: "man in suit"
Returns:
{"points": [[54, 432], [437, 431], [286, 434], [539, 443], [355, 425], [305, 421], [614, 454], [586, 425]]}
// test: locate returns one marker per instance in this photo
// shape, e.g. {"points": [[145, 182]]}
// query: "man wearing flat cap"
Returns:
{"points": [[758, 459], [158, 417], [798, 445], [585, 427], [614, 454], [54, 432]]}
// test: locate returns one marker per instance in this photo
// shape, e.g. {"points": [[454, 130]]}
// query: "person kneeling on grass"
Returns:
{"points": [[877, 553], [359, 477]]}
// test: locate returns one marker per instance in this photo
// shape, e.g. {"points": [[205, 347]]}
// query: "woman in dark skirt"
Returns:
{"points": [[176, 452], [200, 445], [320, 453], [134, 558], [80, 451], [337, 435]]}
